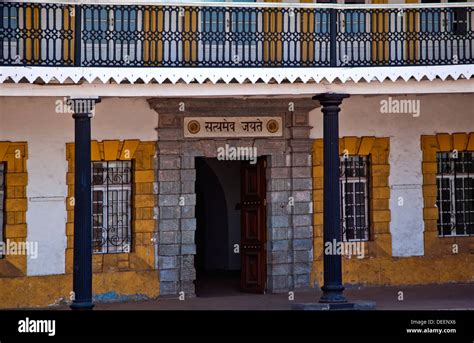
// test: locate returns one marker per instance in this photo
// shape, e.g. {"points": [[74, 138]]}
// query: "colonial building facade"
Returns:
{"points": [[146, 145]]}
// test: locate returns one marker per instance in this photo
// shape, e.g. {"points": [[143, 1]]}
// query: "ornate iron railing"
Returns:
{"points": [[219, 35]]}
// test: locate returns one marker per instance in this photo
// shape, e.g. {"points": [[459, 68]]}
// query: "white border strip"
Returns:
{"points": [[227, 75], [247, 4], [237, 90]]}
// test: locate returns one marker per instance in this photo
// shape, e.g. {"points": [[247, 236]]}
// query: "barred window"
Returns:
{"points": [[111, 206], [354, 188], [455, 198], [2, 200]]}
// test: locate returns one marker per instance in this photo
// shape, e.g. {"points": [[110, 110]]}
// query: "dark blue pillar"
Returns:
{"points": [[332, 289], [82, 270]]}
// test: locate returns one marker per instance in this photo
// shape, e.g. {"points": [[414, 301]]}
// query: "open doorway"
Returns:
{"points": [[218, 227], [231, 227]]}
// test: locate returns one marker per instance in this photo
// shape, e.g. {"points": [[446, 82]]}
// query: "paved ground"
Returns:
{"points": [[439, 297]]}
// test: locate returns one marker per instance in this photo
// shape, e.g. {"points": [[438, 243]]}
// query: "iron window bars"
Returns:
{"points": [[2, 201], [354, 188], [111, 206], [455, 198], [38, 34]]}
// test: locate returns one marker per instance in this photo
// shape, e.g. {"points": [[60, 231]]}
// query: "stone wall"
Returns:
{"points": [[289, 186]]}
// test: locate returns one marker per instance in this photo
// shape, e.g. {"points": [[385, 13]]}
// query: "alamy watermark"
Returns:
{"points": [[400, 106], [28, 325], [229, 153], [71, 106], [10, 247], [349, 249]]}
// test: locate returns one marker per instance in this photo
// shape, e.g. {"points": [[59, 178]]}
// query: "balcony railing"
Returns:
{"points": [[223, 35]]}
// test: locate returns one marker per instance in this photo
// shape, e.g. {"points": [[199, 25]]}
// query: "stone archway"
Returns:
{"points": [[289, 187]]}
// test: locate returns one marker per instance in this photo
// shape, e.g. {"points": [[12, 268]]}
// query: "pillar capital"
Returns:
{"points": [[331, 100], [83, 107]]}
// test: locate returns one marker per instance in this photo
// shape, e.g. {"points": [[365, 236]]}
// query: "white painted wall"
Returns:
{"points": [[361, 116], [34, 120]]}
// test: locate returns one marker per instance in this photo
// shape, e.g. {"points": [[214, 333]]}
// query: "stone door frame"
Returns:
{"points": [[289, 188]]}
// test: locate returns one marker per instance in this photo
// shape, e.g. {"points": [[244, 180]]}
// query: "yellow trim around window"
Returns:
{"points": [[378, 148], [430, 145], [15, 155], [142, 252]]}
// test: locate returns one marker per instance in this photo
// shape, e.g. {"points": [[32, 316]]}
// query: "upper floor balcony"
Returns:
{"points": [[235, 35]]}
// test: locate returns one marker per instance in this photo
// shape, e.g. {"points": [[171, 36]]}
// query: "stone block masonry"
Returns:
{"points": [[289, 184]]}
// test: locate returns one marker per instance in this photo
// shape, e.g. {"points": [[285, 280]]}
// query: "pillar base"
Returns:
{"points": [[331, 298], [333, 294], [85, 305], [355, 305]]}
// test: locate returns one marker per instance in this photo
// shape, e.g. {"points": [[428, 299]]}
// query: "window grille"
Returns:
{"points": [[455, 198], [354, 189], [111, 206]]}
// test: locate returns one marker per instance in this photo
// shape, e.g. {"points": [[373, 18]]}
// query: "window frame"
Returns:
{"points": [[452, 177], [344, 180], [105, 188]]}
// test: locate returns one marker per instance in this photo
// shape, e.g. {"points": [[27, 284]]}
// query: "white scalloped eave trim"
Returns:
{"points": [[227, 75]]}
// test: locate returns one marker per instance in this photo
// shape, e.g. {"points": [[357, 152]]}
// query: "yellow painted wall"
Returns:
{"points": [[438, 265], [434, 245], [119, 276], [380, 244], [142, 254], [42, 291], [15, 155]]}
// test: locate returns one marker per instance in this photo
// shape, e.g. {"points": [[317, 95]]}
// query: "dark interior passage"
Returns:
{"points": [[218, 227]]}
